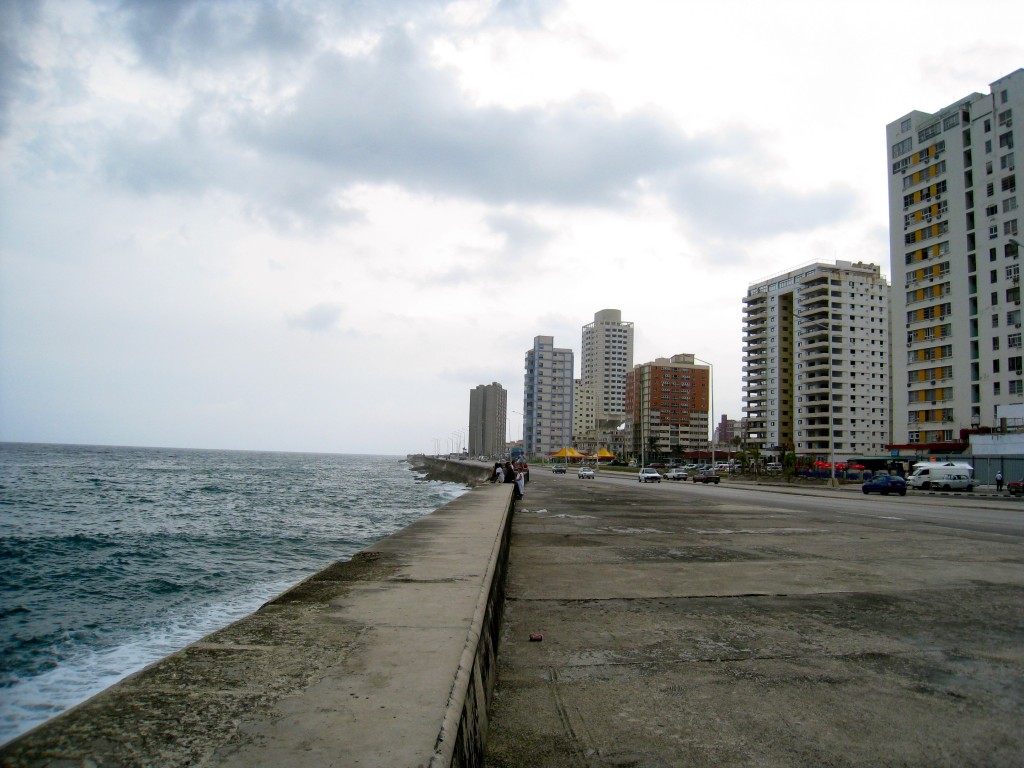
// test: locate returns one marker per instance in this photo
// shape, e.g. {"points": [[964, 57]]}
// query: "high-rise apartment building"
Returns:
{"points": [[954, 230], [607, 356], [583, 415], [816, 361], [547, 397], [488, 416], [667, 406]]}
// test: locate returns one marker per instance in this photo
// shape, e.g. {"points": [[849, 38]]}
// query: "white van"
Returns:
{"points": [[948, 476]]}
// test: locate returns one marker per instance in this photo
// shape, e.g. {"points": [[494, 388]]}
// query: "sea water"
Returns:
{"points": [[112, 558]]}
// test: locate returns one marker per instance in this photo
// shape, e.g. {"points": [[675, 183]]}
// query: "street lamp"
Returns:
{"points": [[711, 392]]}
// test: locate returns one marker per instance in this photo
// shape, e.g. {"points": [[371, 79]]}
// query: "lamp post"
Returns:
{"points": [[711, 398]]}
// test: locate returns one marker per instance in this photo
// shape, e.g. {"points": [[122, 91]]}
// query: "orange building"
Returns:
{"points": [[667, 407]]}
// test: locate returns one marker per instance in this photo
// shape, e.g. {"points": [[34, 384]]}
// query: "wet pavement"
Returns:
{"points": [[698, 626]]}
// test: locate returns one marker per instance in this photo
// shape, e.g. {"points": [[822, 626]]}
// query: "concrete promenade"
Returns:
{"points": [[701, 626], [384, 661]]}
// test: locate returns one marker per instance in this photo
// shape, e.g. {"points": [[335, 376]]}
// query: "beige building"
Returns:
{"points": [[954, 229], [816, 361], [607, 356]]}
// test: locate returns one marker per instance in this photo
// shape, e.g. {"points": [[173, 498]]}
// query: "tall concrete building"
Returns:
{"points": [[954, 229], [816, 361], [607, 356], [547, 397], [667, 407], [488, 416], [583, 415]]}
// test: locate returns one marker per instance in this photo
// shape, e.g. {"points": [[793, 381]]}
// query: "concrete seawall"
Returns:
{"points": [[388, 659]]}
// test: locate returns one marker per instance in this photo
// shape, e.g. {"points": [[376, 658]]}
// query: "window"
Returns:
{"points": [[1010, 227], [990, 189], [1013, 271], [988, 126], [906, 125], [993, 232], [902, 147], [1009, 204], [1006, 162], [1004, 117], [1013, 341], [995, 321], [995, 365], [1004, 96], [1013, 318], [1009, 184], [1006, 140], [1016, 387]]}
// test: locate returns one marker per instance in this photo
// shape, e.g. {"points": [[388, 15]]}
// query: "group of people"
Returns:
{"points": [[509, 473]]}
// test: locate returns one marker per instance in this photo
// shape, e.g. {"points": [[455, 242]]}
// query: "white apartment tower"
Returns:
{"points": [[607, 358], [547, 397], [816, 361], [954, 229], [488, 415]]}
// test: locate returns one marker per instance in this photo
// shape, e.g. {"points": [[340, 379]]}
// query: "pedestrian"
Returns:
{"points": [[510, 477], [520, 484], [999, 481], [497, 474]]}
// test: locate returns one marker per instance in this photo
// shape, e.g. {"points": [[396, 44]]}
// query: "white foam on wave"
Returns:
{"points": [[34, 700]]}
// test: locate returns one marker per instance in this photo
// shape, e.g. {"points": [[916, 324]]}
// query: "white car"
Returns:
{"points": [[676, 474], [586, 473], [648, 475]]}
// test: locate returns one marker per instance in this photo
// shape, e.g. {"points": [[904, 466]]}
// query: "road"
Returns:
{"points": [[979, 513], [738, 625]]}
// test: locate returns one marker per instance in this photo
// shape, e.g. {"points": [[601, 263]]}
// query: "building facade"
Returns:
{"points": [[547, 397], [816, 361], [954, 228], [583, 417], [607, 356], [667, 407], [488, 417]]}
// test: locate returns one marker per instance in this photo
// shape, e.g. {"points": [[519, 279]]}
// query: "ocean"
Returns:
{"points": [[112, 558]]}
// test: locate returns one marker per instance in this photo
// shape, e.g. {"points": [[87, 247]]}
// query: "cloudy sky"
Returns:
{"points": [[315, 226]]}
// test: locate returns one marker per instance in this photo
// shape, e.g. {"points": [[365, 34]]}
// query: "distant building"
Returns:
{"points": [[667, 404], [488, 416], [547, 397], [607, 356], [816, 361], [954, 243], [583, 415], [726, 430]]}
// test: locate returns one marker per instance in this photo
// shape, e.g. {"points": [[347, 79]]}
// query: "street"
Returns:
{"points": [[737, 625]]}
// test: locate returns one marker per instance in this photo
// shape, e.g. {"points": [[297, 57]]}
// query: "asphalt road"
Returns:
{"points": [[737, 625]]}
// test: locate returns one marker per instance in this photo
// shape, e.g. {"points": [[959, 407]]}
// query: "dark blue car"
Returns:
{"points": [[885, 484]]}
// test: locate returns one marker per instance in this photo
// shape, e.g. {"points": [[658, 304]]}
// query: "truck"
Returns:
{"points": [[945, 476]]}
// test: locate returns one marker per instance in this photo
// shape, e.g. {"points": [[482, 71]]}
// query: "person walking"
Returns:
{"points": [[999, 481]]}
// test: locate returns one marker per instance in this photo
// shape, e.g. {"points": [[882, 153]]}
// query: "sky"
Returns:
{"points": [[315, 226]]}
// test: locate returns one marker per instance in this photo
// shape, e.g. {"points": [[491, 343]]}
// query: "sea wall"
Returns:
{"points": [[454, 470], [387, 659]]}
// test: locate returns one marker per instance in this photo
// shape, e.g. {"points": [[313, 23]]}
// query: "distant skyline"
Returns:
{"points": [[314, 226]]}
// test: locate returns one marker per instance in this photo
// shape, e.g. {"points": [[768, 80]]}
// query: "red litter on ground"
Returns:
{"points": [[536, 637]]}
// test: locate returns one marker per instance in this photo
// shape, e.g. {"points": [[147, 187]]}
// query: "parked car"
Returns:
{"points": [[1015, 488], [586, 473], [676, 474], [648, 475], [558, 469], [707, 476], [934, 475], [885, 484]]}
